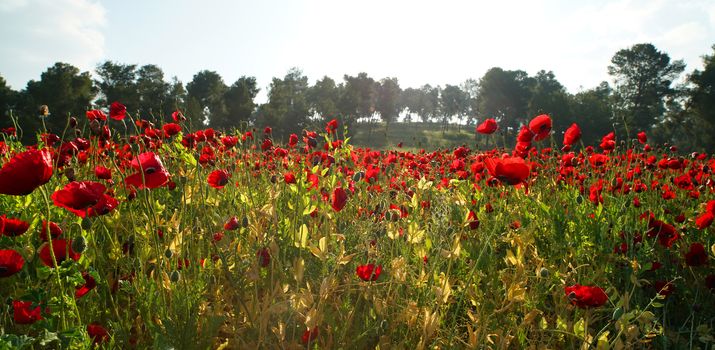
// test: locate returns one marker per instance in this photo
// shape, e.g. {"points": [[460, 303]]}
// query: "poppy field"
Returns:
{"points": [[122, 233]]}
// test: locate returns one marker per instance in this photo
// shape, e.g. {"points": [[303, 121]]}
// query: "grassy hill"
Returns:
{"points": [[412, 135]]}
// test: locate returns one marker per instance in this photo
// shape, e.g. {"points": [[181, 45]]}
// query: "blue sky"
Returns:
{"points": [[435, 42]]}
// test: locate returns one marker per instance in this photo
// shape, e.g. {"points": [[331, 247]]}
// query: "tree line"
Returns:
{"points": [[645, 95]]}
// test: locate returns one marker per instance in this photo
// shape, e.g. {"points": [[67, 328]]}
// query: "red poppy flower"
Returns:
{"points": [[572, 135], [218, 178], [13, 227], [540, 126], [710, 282], [339, 199], [229, 141], [371, 174], [24, 313], [63, 251], [369, 272], [178, 116], [704, 220], [289, 178], [292, 140], [25, 172], [150, 172], [171, 129], [331, 126], [666, 233], [472, 220], [11, 262], [489, 126], [231, 224], [89, 284], [608, 142], [309, 335], [642, 138], [98, 333], [696, 256], [664, 288], [264, 257], [525, 135], [512, 170], [586, 296], [117, 111], [85, 199], [96, 114], [102, 172]]}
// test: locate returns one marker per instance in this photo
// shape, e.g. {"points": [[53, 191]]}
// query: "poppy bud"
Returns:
{"points": [[244, 222], [73, 122], [358, 176], [168, 253], [69, 174], [94, 127], [175, 276], [544, 272], [86, 223], [78, 132], [617, 313], [79, 244], [579, 199]]}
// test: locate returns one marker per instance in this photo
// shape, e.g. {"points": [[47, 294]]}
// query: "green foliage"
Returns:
{"points": [[287, 110], [207, 89], [388, 100], [504, 95], [643, 77], [238, 99]]}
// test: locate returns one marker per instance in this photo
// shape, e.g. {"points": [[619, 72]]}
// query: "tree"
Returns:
{"points": [[454, 103], [324, 98], [592, 111], [8, 98], [471, 88], [388, 101], [239, 103], [643, 77], [359, 96], [702, 101], [429, 102], [153, 91], [117, 82], [548, 96], [207, 89], [64, 90], [287, 109], [504, 95], [410, 99], [177, 97]]}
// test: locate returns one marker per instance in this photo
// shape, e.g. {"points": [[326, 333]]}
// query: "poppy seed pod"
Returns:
{"points": [[175, 276], [69, 174], [43, 111], [79, 245], [94, 127], [86, 223]]}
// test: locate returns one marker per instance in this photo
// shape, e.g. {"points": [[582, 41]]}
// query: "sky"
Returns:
{"points": [[419, 42]]}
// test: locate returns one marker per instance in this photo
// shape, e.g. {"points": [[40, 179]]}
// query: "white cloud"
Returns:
{"points": [[38, 33]]}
